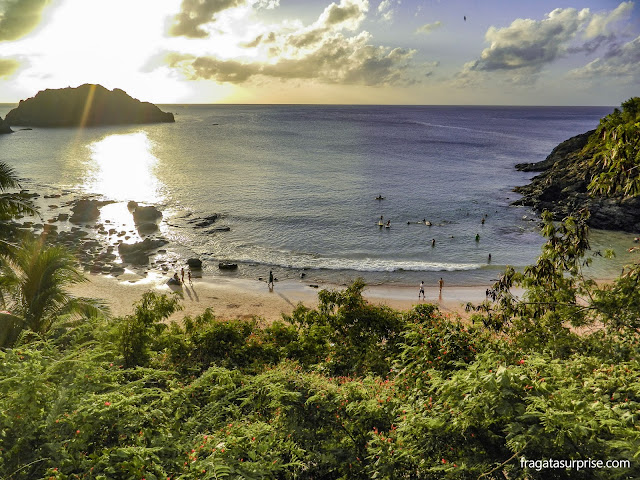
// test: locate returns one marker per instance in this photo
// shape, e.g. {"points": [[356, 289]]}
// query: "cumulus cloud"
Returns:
{"points": [[524, 48], [339, 59], [196, 13], [621, 62], [530, 44], [8, 66], [19, 17], [429, 27], [601, 24], [385, 10], [328, 50], [347, 15]]}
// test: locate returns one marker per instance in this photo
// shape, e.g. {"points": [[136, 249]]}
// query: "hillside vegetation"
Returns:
{"points": [[598, 171]]}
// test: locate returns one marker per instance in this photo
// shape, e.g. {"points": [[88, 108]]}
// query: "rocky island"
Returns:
{"points": [[4, 127], [86, 105], [598, 171]]}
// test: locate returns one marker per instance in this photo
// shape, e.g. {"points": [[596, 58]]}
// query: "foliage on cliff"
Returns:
{"points": [[614, 149], [597, 171]]}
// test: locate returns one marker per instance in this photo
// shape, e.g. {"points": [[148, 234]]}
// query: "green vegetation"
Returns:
{"points": [[32, 288], [615, 152], [11, 205], [346, 390]]}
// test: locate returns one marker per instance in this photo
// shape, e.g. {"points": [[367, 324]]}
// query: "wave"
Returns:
{"points": [[359, 265]]}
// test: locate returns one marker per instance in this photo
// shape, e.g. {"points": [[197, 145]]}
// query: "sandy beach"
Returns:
{"points": [[245, 298]]}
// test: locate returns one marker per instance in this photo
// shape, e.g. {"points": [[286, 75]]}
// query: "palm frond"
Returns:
{"points": [[8, 177], [10, 327]]}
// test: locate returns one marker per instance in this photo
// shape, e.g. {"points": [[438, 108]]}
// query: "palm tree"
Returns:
{"points": [[32, 289], [11, 205]]}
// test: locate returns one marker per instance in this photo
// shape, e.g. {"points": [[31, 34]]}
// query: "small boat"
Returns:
{"points": [[227, 266]]}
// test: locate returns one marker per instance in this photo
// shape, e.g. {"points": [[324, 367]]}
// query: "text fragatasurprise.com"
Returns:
{"points": [[588, 464]]}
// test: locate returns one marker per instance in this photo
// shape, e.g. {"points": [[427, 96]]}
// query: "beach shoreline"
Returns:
{"points": [[241, 298]]}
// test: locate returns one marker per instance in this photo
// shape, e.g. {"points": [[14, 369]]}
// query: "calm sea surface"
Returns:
{"points": [[297, 185]]}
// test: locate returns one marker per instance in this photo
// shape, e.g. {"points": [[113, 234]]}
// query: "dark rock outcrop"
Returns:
{"points": [[148, 214], [227, 266], [85, 210], [204, 222], [86, 105], [574, 144], [4, 127], [561, 188], [138, 253], [194, 263]]}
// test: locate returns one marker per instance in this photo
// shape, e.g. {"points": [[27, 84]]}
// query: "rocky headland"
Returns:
{"points": [[4, 127], [86, 105], [562, 187]]}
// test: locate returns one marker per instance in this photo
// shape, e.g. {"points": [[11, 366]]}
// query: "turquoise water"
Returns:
{"points": [[297, 185]]}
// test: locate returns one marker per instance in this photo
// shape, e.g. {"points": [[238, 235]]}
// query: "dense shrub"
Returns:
{"points": [[344, 391]]}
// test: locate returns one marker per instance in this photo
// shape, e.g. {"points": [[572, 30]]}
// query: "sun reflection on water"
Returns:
{"points": [[123, 169]]}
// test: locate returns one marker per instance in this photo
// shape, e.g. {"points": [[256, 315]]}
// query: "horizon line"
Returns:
{"points": [[364, 104]]}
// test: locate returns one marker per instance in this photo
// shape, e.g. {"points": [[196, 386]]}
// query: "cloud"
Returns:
{"points": [[196, 13], [601, 24], [429, 27], [325, 51], [385, 10], [621, 62], [524, 48], [8, 66], [338, 60], [347, 15], [530, 44], [19, 17]]}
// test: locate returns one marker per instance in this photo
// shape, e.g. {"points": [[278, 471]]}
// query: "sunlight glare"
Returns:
{"points": [[124, 169]]}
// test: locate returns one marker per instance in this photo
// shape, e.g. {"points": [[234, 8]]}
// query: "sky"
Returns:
{"points": [[422, 52]]}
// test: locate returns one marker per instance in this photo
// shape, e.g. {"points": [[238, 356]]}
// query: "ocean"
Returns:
{"points": [[297, 186]]}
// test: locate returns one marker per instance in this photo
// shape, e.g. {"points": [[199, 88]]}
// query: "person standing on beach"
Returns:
{"points": [[421, 291], [182, 274], [189, 276], [441, 284], [270, 283]]}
